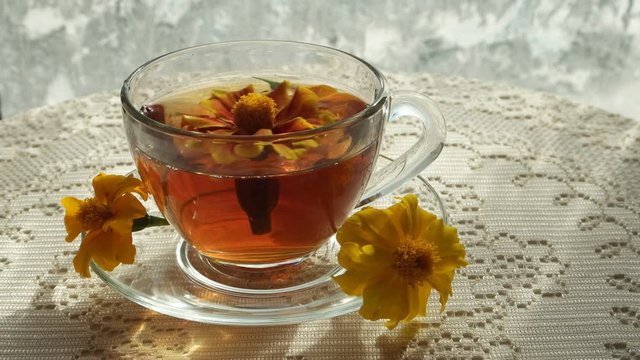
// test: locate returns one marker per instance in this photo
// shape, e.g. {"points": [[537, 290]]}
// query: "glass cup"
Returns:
{"points": [[272, 209]]}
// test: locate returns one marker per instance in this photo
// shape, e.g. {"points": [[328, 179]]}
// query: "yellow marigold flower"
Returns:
{"points": [[106, 219], [394, 257]]}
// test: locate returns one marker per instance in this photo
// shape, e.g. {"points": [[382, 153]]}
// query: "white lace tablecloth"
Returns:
{"points": [[545, 194]]}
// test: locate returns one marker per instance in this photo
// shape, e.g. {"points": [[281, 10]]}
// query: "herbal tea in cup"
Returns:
{"points": [[256, 152], [276, 201]]}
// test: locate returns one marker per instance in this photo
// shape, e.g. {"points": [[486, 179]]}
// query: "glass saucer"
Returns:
{"points": [[171, 278]]}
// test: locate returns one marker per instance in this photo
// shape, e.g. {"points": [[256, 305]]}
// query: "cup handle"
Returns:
{"points": [[417, 157]]}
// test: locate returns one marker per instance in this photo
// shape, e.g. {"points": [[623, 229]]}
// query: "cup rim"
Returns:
{"points": [[368, 111]]}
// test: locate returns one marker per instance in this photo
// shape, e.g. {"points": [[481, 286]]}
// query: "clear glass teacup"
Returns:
{"points": [[266, 199]]}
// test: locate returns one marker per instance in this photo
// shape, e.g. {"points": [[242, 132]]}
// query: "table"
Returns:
{"points": [[545, 194]]}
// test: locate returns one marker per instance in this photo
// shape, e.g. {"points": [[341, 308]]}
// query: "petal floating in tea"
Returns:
{"points": [[293, 125], [216, 107], [342, 105], [304, 103], [155, 112], [222, 153], [281, 95], [284, 151], [323, 90], [326, 117], [248, 150], [307, 144], [229, 98], [258, 197], [204, 123]]}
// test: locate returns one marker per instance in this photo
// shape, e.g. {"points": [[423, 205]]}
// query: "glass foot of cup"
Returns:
{"points": [[305, 273]]}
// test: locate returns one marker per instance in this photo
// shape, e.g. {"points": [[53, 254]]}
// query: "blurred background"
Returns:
{"points": [[584, 50]]}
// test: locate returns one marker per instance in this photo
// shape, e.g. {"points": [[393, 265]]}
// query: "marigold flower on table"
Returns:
{"points": [[107, 220], [394, 257]]}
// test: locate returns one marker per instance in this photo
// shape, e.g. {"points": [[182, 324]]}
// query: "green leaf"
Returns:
{"points": [[272, 84]]}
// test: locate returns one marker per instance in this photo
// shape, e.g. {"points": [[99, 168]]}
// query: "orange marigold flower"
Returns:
{"points": [[106, 219], [284, 109]]}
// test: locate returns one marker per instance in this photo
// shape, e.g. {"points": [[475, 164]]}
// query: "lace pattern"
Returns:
{"points": [[545, 194]]}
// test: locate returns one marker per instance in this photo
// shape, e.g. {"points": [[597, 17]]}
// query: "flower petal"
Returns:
{"points": [[342, 104], [222, 153], [204, 123], [296, 124], [107, 249], [71, 222], [114, 250], [326, 117], [108, 187], [447, 242], [358, 230], [281, 95], [263, 132], [379, 222], [353, 231], [83, 257], [388, 298], [354, 257], [442, 283], [401, 216], [217, 108], [304, 103], [450, 263], [353, 283], [229, 98], [323, 90], [125, 209], [128, 206], [287, 152], [307, 144], [418, 299], [248, 150], [421, 220], [364, 265]]}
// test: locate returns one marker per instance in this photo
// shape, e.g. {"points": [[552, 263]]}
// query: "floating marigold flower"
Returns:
{"points": [[283, 109], [107, 220], [394, 257]]}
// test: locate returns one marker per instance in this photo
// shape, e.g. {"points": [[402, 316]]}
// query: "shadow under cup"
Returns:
{"points": [[267, 210]]}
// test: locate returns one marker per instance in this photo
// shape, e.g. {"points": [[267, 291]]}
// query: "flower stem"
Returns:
{"points": [[148, 221], [258, 197]]}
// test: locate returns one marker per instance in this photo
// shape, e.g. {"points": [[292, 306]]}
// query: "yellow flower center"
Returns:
{"points": [[93, 215], [415, 260], [253, 112]]}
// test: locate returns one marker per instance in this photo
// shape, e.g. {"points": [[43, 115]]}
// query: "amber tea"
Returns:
{"points": [[262, 201]]}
